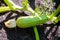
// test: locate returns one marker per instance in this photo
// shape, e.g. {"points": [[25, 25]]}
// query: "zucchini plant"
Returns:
{"points": [[29, 21], [37, 18]]}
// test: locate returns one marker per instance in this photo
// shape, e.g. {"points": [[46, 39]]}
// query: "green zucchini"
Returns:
{"points": [[29, 21]]}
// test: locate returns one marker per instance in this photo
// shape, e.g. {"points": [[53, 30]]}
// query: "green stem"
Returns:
{"points": [[10, 4], [36, 33], [4, 9], [31, 10], [57, 19], [55, 13]]}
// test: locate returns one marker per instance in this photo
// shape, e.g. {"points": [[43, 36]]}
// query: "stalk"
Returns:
{"points": [[55, 13], [33, 12], [57, 19], [4, 9], [36, 33], [10, 4]]}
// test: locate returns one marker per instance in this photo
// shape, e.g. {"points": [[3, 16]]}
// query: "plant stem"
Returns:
{"points": [[10, 4], [57, 19], [31, 10], [4, 9], [36, 33], [55, 13]]}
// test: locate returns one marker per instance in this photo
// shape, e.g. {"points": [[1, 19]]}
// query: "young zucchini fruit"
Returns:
{"points": [[29, 21]]}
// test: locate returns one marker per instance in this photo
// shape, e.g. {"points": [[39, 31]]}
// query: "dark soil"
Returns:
{"points": [[26, 34]]}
